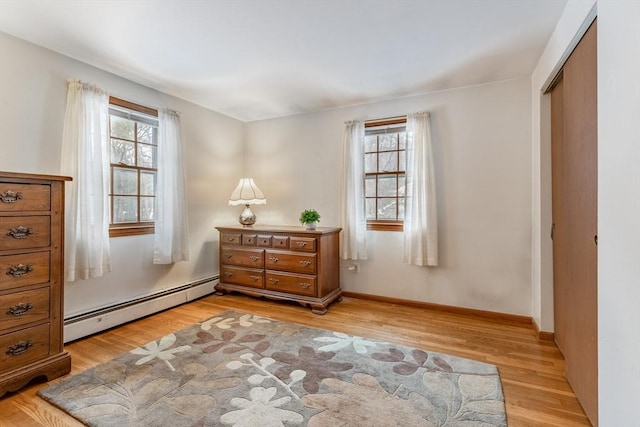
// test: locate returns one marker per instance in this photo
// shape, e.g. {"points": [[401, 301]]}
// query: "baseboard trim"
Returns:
{"points": [[514, 318], [542, 335], [95, 321]]}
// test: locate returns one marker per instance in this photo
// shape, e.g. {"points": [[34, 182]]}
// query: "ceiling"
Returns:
{"points": [[253, 59]]}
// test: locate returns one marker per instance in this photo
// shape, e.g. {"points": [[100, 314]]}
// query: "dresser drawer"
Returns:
{"points": [[245, 277], [24, 197], [306, 244], [281, 242], [248, 239], [230, 239], [23, 232], [21, 308], [290, 261], [22, 347], [291, 283], [253, 258], [264, 241], [24, 269]]}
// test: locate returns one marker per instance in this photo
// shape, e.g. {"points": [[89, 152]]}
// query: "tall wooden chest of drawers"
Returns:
{"points": [[31, 279], [286, 263]]}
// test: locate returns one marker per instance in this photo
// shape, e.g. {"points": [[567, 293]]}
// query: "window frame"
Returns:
{"points": [[385, 224], [129, 228]]}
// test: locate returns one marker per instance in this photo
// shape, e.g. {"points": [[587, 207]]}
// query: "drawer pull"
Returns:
{"points": [[228, 274], [305, 263], [255, 258], [10, 196], [21, 232], [19, 309], [301, 244], [19, 270], [274, 259], [227, 256], [274, 281], [255, 278], [231, 239], [304, 285], [19, 348]]}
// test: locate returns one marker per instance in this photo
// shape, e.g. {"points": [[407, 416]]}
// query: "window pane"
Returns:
{"points": [[370, 206], [146, 209], [122, 128], [123, 152], [388, 162], [403, 141], [147, 183], [146, 156], [125, 181], [386, 208], [388, 141], [386, 185], [146, 133], [402, 183], [370, 143], [125, 209], [401, 208], [403, 161], [370, 162], [370, 186]]}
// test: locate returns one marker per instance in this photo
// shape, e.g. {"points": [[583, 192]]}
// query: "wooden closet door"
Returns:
{"points": [[574, 177]]}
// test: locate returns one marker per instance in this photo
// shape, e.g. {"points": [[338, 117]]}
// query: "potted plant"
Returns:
{"points": [[309, 218]]}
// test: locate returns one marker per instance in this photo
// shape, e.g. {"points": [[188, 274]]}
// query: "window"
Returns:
{"points": [[384, 178], [133, 132]]}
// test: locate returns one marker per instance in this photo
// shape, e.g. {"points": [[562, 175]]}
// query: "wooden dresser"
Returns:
{"points": [[285, 263], [31, 279]]}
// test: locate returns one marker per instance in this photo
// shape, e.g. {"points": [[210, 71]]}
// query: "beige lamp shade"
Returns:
{"points": [[247, 193]]}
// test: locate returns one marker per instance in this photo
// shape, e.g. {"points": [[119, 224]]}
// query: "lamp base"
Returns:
{"points": [[247, 218]]}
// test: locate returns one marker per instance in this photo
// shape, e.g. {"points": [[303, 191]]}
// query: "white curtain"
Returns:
{"points": [[421, 214], [85, 157], [354, 224], [171, 232]]}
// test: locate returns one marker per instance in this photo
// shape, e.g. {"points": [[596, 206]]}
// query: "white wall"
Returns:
{"points": [[483, 155], [619, 212], [32, 101]]}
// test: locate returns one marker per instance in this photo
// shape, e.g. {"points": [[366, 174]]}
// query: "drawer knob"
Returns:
{"points": [[304, 285], [228, 274], [227, 256], [19, 270], [231, 239], [19, 309], [20, 232], [305, 263], [274, 281], [10, 196], [255, 278], [301, 244], [19, 348], [255, 258], [274, 259]]}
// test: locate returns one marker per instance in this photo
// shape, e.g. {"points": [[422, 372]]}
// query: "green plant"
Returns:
{"points": [[308, 216]]}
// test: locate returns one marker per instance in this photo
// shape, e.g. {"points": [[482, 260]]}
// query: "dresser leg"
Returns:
{"points": [[318, 309]]}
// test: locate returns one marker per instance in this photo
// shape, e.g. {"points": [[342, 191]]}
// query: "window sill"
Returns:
{"points": [[131, 230], [385, 226]]}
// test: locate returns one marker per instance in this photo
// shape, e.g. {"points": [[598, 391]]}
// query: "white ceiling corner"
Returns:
{"points": [[254, 60]]}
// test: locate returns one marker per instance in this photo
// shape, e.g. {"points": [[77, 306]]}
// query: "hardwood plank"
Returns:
{"points": [[535, 390]]}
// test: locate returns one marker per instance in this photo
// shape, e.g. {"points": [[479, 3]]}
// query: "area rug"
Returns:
{"points": [[242, 370]]}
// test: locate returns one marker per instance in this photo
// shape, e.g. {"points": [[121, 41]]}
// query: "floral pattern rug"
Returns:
{"points": [[242, 370]]}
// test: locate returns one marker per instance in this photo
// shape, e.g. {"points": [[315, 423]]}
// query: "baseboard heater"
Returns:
{"points": [[86, 324]]}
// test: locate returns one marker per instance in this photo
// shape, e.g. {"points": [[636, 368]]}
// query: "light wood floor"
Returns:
{"points": [[535, 390]]}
